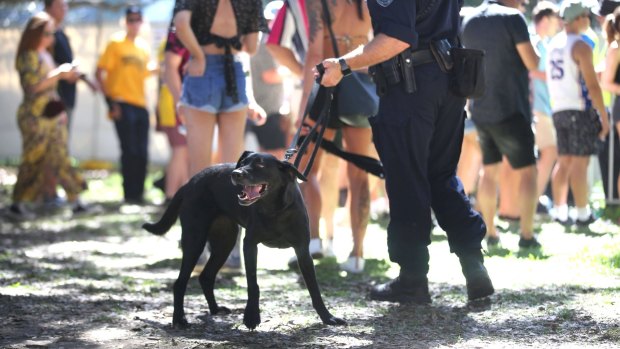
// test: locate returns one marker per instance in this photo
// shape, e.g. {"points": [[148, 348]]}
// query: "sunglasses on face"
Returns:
{"points": [[134, 19]]}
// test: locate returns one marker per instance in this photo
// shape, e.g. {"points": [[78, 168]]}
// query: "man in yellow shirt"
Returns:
{"points": [[121, 73]]}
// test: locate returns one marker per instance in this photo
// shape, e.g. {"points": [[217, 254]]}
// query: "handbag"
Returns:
{"points": [[356, 94], [53, 108]]}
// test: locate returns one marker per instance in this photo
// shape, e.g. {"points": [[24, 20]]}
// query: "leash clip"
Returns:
{"points": [[321, 69]]}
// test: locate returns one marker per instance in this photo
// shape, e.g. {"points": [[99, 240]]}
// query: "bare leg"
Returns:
{"points": [[487, 196], [548, 156], [328, 182], [470, 162], [358, 141], [578, 178], [559, 183], [200, 126], [527, 200], [509, 190], [177, 171], [231, 128], [311, 190]]}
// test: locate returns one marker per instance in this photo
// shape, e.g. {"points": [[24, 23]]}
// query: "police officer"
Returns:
{"points": [[418, 133]]}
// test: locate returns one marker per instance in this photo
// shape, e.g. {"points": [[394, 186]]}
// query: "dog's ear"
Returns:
{"points": [[292, 170], [242, 157]]}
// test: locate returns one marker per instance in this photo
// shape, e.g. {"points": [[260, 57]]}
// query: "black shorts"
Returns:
{"points": [[358, 121], [577, 132], [513, 138], [271, 134]]}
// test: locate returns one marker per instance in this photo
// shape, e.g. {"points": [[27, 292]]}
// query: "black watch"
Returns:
{"points": [[344, 67]]}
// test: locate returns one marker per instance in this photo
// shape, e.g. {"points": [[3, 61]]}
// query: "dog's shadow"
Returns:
{"points": [[229, 329]]}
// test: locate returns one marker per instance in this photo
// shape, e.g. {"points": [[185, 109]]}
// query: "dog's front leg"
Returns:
{"points": [[251, 317], [307, 270]]}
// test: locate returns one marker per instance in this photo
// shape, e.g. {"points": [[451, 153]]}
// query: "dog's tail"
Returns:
{"points": [[170, 215]]}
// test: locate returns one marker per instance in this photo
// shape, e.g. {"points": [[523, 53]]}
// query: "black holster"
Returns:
{"points": [[394, 71], [406, 70]]}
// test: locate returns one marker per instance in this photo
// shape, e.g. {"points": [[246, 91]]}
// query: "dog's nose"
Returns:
{"points": [[236, 175]]}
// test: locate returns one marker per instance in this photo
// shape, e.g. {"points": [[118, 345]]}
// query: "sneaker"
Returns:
{"points": [[585, 223], [19, 212], [542, 209], [566, 222], [493, 242], [316, 251], [80, 209], [477, 278], [353, 265], [401, 291], [529, 243]]}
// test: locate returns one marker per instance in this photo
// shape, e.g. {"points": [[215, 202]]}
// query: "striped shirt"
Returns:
{"points": [[290, 28]]}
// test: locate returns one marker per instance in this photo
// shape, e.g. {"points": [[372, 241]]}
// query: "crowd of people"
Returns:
{"points": [[544, 113]]}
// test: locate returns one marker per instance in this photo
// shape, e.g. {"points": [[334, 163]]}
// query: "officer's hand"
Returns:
{"points": [[332, 75]]}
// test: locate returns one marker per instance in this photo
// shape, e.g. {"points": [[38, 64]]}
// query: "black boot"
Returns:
{"points": [[478, 282], [403, 289]]}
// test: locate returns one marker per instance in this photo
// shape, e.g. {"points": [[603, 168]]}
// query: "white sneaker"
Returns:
{"points": [[315, 251], [353, 265]]}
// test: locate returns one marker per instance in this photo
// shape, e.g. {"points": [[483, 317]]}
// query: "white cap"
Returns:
{"points": [[272, 9]]}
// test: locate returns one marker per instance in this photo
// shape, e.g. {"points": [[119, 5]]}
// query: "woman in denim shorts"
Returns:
{"points": [[214, 87]]}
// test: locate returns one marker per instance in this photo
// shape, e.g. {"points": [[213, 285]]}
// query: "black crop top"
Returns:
{"points": [[249, 16]]}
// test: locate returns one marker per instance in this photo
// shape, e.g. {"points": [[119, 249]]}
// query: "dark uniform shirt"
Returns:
{"points": [[416, 22], [64, 54]]}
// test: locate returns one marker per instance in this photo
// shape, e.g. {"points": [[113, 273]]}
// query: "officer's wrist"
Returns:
{"points": [[345, 69]]}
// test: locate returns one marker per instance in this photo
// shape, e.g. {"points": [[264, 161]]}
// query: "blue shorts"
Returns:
{"points": [[208, 92]]}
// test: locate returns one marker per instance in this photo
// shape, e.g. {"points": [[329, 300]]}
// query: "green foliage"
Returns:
{"points": [[612, 261]]}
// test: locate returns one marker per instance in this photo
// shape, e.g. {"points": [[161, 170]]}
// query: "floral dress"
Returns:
{"points": [[44, 140]]}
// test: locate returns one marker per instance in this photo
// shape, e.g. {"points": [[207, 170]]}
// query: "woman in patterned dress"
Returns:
{"points": [[44, 150]]}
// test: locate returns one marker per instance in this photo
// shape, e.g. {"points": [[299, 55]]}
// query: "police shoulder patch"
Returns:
{"points": [[385, 3]]}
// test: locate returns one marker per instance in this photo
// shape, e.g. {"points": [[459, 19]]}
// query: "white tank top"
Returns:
{"points": [[567, 88]]}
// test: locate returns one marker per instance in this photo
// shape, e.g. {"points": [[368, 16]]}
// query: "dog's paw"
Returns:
{"points": [[220, 311], [251, 318], [334, 321], [180, 323]]}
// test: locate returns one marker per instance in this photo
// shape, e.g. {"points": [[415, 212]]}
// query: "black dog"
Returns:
{"points": [[270, 207]]}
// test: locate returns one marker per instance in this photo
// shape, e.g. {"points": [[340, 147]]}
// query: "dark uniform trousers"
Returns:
{"points": [[418, 137]]}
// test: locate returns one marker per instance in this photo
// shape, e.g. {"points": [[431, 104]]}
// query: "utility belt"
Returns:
{"points": [[465, 66]]}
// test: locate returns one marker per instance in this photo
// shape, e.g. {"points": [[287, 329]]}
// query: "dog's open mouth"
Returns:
{"points": [[251, 193]]}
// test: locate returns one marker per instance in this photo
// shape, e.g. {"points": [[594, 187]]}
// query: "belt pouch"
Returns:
{"points": [[467, 73]]}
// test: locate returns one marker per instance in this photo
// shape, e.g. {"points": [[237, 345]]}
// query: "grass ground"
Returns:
{"points": [[102, 282]]}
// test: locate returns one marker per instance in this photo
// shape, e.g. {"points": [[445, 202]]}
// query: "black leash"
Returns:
{"points": [[319, 107]]}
